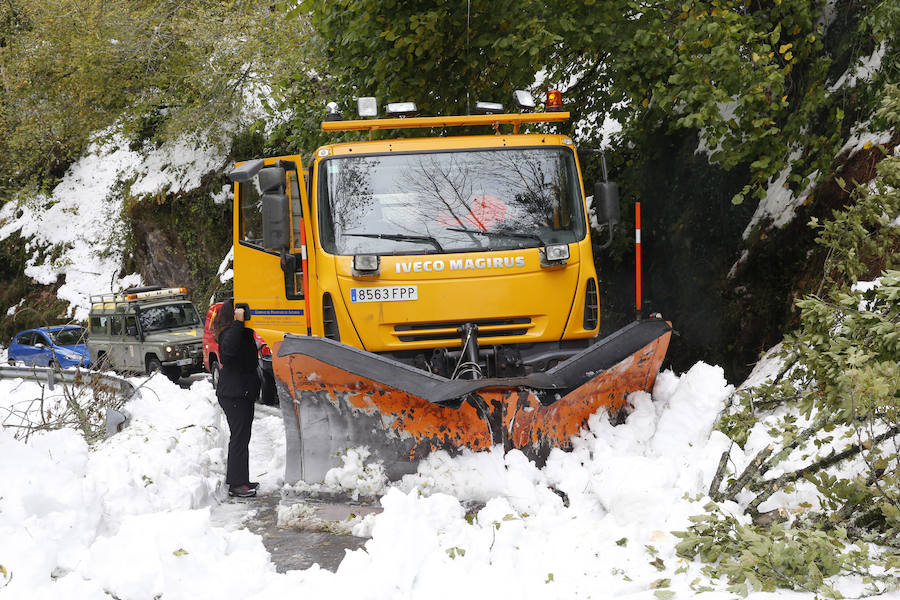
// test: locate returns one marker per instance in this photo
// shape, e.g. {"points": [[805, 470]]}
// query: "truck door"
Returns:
{"points": [[274, 283], [98, 341], [131, 345], [117, 351]]}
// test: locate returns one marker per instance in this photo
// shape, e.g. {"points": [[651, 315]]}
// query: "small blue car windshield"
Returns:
{"points": [[70, 336]]}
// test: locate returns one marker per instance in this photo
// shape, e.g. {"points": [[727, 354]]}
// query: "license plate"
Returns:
{"points": [[184, 361], [387, 293]]}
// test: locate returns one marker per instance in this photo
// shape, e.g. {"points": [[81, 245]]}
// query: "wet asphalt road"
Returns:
{"points": [[295, 548], [290, 548]]}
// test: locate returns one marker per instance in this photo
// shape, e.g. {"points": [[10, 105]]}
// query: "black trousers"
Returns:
{"points": [[239, 413]]}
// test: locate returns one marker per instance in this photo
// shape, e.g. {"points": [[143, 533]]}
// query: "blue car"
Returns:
{"points": [[63, 345]]}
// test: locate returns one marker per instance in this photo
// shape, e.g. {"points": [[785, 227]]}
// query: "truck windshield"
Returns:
{"points": [[168, 316], [497, 199]]}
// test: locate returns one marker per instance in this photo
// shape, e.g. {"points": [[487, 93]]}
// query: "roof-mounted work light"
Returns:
{"points": [[488, 108], [554, 101], [401, 109], [332, 113], [523, 100], [367, 106]]}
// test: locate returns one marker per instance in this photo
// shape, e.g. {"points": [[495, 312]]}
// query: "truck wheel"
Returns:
{"points": [[173, 373], [153, 365], [268, 394], [214, 372]]}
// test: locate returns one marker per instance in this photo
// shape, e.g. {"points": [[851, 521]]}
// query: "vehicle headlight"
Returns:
{"points": [[366, 265], [558, 252], [554, 255]]}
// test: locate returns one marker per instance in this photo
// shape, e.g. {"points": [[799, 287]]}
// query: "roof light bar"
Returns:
{"points": [[157, 293], [514, 119]]}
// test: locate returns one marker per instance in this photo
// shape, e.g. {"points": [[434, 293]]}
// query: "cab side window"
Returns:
{"points": [[250, 205], [131, 325], [296, 209], [115, 325], [98, 324]]}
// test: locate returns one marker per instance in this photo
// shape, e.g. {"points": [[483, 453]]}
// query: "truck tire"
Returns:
{"points": [[214, 369], [173, 373], [153, 365], [268, 395]]}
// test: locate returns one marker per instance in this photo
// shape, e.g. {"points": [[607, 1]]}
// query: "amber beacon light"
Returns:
{"points": [[554, 101]]}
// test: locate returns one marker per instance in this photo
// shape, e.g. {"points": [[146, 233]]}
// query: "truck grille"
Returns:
{"points": [[446, 330]]}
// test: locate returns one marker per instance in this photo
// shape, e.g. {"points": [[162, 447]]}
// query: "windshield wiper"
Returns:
{"points": [[400, 237], [513, 234]]}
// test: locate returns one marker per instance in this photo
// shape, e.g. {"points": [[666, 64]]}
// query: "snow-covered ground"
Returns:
{"points": [[141, 514]]}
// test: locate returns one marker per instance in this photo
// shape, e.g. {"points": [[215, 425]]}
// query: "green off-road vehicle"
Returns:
{"points": [[142, 330]]}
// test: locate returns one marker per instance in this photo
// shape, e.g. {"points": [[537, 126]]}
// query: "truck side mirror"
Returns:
{"points": [[606, 202], [246, 171], [606, 199], [132, 331], [275, 214], [271, 179]]}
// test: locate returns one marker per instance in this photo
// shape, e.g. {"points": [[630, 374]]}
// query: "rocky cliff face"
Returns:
{"points": [[180, 239]]}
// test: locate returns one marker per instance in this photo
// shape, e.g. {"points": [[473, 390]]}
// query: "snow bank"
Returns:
{"points": [[131, 517], [82, 216]]}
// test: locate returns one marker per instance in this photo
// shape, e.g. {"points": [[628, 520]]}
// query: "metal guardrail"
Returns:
{"points": [[51, 376], [115, 420]]}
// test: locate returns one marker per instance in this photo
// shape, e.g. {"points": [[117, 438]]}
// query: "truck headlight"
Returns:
{"points": [[168, 349], [366, 264], [554, 255]]}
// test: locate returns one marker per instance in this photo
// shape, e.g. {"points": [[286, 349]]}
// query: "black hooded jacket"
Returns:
{"points": [[240, 357]]}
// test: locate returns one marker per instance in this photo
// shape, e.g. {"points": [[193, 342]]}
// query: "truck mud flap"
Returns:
{"points": [[334, 397]]}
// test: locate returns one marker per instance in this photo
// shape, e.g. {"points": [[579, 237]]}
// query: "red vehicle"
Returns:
{"points": [[212, 364]]}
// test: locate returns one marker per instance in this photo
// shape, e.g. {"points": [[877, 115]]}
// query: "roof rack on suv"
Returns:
{"points": [[137, 294]]}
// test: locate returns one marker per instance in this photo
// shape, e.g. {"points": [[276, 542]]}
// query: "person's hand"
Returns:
{"points": [[239, 314]]}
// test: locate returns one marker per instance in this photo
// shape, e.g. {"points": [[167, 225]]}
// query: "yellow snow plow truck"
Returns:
{"points": [[433, 292]]}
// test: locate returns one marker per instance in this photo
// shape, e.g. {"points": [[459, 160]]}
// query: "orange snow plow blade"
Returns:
{"points": [[334, 397]]}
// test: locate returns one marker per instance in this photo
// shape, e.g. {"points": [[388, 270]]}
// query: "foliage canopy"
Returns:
{"points": [[752, 77]]}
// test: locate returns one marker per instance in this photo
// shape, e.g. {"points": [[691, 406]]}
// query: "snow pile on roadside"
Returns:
{"points": [[128, 517], [593, 522], [81, 219], [131, 517]]}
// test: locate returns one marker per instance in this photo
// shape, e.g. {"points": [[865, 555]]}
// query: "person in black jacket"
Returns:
{"points": [[237, 390]]}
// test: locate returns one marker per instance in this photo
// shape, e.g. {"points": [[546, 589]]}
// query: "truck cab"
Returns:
{"points": [[431, 251], [434, 292]]}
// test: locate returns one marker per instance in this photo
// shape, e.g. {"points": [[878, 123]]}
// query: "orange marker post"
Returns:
{"points": [[637, 259]]}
